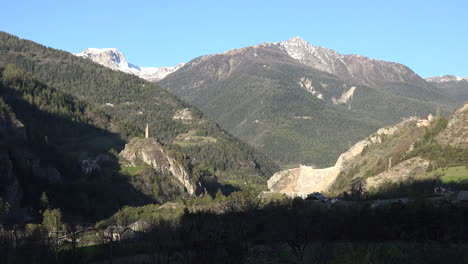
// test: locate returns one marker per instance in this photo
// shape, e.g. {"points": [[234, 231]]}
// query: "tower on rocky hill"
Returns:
{"points": [[147, 131]]}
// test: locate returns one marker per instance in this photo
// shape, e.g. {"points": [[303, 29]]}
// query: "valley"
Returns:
{"points": [[279, 152]]}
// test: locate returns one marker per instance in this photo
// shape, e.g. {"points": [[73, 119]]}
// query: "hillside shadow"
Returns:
{"points": [[420, 189], [56, 141], [212, 187], [300, 233], [297, 231]]}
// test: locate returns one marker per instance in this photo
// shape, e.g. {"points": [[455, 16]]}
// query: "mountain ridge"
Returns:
{"points": [[139, 102], [453, 86], [446, 78], [114, 59], [271, 100]]}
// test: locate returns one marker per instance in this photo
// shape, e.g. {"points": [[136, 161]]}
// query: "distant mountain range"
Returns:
{"points": [[296, 102], [64, 119], [115, 60], [452, 86]]}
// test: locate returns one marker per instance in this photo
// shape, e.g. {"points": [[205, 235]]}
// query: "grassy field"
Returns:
{"points": [[449, 175], [453, 174], [191, 138]]}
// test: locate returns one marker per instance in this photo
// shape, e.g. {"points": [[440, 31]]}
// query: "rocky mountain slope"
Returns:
{"points": [[456, 133], [114, 59], [397, 154], [147, 151], [452, 86], [305, 179], [302, 104], [358, 67]]}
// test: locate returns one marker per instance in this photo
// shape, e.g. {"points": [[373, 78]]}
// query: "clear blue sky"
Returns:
{"points": [[429, 36]]}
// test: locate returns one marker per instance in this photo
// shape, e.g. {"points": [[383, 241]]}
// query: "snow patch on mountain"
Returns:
{"points": [[361, 68], [446, 78], [320, 58], [114, 59]]}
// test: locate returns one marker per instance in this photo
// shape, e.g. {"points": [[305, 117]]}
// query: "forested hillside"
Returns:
{"points": [[136, 102], [41, 156], [295, 113]]}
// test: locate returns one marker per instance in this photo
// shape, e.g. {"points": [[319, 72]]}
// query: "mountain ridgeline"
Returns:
{"points": [[302, 104], [98, 164], [138, 102], [453, 86], [114, 59], [78, 115]]}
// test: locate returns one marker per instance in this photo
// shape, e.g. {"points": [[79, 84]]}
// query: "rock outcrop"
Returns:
{"points": [[456, 133], [399, 173], [147, 151], [299, 182], [184, 115]]}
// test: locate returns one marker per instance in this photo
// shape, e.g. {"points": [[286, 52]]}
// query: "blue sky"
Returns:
{"points": [[430, 37]]}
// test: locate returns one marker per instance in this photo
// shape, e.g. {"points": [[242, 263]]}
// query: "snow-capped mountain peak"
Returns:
{"points": [[318, 57], [296, 41], [297, 46], [109, 57], [357, 67], [114, 59]]}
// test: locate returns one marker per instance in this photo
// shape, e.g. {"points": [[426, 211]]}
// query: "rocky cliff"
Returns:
{"points": [[148, 151], [399, 173], [456, 133], [405, 152], [304, 180]]}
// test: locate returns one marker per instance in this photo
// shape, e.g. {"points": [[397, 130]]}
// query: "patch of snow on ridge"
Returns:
{"points": [[319, 57], [446, 78], [114, 59]]}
